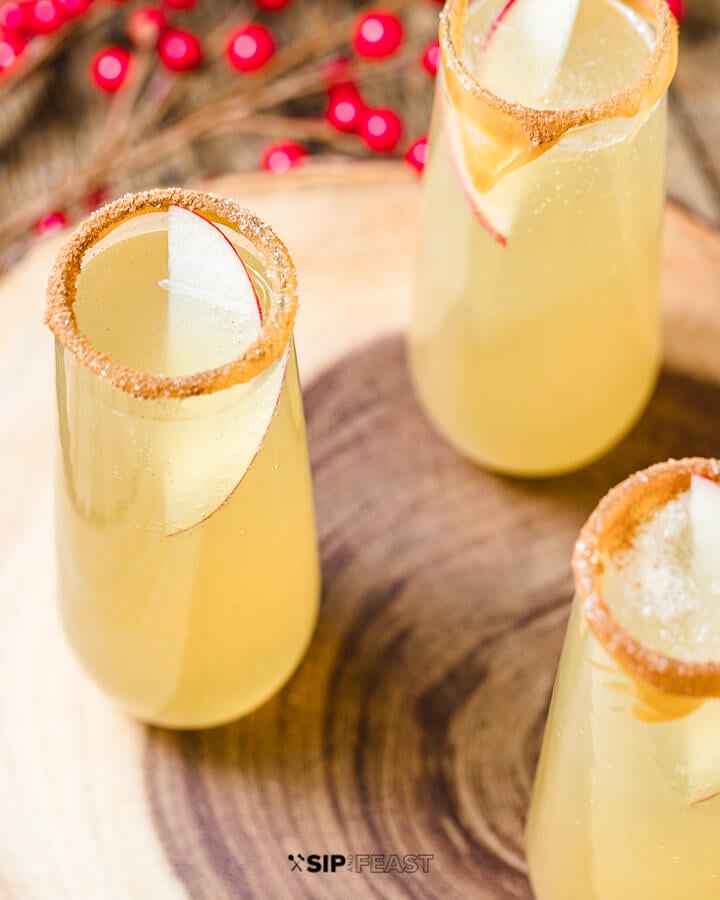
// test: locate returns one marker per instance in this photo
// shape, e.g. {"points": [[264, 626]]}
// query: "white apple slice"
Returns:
{"points": [[705, 525], [702, 751], [520, 60], [525, 48], [213, 315], [205, 272], [197, 249]]}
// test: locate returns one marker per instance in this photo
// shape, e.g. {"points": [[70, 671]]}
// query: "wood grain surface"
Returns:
{"points": [[413, 725]]}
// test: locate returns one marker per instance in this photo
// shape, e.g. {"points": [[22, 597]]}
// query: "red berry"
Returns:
{"points": [[249, 47], [381, 129], [345, 107], [12, 16], [337, 71], [71, 9], [11, 48], [50, 222], [416, 154], [677, 8], [431, 57], [43, 16], [180, 50], [281, 156], [271, 5], [96, 199], [145, 25], [180, 4], [377, 34], [109, 68]]}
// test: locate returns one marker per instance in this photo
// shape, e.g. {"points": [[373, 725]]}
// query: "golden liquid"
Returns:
{"points": [[536, 357], [625, 806], [189, 627]]}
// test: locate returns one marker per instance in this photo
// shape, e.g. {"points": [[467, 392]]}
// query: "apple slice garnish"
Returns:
{"points": [[525, 47], [538, 34], [211, 298], [198, 250], [702, 749], [492, 216], [705, 526]]}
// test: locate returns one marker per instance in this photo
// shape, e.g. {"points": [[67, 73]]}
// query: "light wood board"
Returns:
{"points": [[413, 724]]}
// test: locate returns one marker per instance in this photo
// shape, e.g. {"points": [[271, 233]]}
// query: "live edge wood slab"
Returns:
{"points": [[413, 725]]}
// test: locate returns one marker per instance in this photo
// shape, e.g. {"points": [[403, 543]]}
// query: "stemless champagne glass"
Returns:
{"points": [[626, 803], [188, 565], [534, 342]]}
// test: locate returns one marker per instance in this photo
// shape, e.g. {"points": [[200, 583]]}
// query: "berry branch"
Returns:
{"points": [[302, 93]]}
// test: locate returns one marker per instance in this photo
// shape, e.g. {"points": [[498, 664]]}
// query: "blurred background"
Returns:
{"points": [[100, 97]]}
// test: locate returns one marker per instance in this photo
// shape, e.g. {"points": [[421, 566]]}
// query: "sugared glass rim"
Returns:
{"points": [[544, 127], [277, 324], [611, 529]]}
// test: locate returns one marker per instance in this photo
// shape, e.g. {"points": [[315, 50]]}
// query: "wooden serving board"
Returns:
{"points": [[413, 725]]}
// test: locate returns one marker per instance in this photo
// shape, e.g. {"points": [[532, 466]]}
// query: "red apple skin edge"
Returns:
{"points": [[486, 224], [234, 249], [277, 401], [705, 799], [496, 23]]}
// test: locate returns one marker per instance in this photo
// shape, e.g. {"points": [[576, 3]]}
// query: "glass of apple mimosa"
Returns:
{"points": [[188, 565], [626, 802], [534, 341]]}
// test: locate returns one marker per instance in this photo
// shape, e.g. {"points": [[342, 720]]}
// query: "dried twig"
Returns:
{"points": [[153, 116]]}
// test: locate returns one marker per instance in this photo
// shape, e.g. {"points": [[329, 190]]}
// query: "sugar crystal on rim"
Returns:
{"points": [[656, 591]]}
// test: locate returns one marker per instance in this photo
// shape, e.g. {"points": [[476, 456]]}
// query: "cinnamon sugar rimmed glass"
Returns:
{"points": [[626, 802], [534, 341], [188, 565]]}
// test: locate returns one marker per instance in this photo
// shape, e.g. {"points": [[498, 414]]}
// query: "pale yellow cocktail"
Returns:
{"points": [[626, 802], [188, 565], [535, 338]]}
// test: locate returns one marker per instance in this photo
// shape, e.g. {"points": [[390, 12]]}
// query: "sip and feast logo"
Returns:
{"points": [[375, 863]]}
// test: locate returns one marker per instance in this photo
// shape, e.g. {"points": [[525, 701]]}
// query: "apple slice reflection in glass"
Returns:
{"points": [[210, 292]]}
